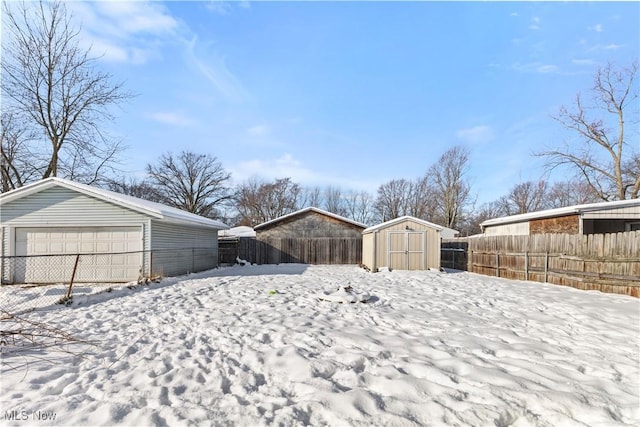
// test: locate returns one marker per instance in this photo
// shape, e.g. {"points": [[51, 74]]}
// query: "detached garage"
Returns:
{"points": [[404, 243], [45, 225]]}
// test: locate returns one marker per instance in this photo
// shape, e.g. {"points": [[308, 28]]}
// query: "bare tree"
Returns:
{"points": [[193, 182], [569, 193], [528, 196], [602, 154], [54, 89], [421, 202], [310, 196], [393, 199], [450, 186], [334, 201], [259, 201], [15, 157], [130, 186], [359, 206], [486, 211], [401, 197]]}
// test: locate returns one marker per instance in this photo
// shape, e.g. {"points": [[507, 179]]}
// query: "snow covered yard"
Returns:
{"points": [[221, 348]]}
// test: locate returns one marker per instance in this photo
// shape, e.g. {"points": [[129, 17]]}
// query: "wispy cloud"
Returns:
{"points": [[597, 28], [535, 67], [171, 118], [258, 130], [610, 46], [286, 166], [476, 134], [226, 7], [535, 23], [124, 31], [214, 68], [583, 61]]}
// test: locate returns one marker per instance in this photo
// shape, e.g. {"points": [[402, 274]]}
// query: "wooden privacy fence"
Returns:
{"points": [[604, 262], [326, 250]]}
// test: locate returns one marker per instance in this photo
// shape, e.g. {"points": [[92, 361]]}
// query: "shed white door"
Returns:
{"points": [[407, 250], [50, 254]]}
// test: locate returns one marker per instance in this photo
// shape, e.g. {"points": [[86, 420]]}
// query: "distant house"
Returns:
{"points": [[237, 232], [236, 244], [135, 238], [448, 233], [310, 236], [404, 243], [594, 218]]}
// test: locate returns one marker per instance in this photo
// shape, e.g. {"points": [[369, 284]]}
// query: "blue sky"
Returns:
{"points": [[354, 94]]}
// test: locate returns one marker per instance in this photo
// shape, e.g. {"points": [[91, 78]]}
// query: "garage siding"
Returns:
{"points": [[179, 249], [62, 207]]}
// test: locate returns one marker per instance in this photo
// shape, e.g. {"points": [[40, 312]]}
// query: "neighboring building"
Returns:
{"points": [[56, 216], [594, 218], [237, 232], [404, 243], [237, 244], [448, 233], [310, 236]]}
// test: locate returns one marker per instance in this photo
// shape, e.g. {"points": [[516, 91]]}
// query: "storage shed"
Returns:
{"points": [[404, 243], [592, 218], [309, 236], [45, 225]]}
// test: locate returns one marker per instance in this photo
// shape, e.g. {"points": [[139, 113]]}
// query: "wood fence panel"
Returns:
{"points": [[273, 250], [604, 262]]}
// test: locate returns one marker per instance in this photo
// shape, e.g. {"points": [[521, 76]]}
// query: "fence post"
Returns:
{"points": [[73, 276], [497, 263], [546, 266], [526, 265]]}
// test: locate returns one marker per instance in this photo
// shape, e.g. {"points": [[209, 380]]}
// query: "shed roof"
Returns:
{"points": [[305, 210], [152, 209], [402, 219], [569, 210]]}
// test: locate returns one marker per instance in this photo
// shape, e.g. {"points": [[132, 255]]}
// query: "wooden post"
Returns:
{"points": [[526, 265], [497, 263], [73, 276], [546, 267]]}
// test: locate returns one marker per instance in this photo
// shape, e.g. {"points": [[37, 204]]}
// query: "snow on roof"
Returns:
{"points": [[569, 210], [401, 219], [153, 209], [309, 209], [240, 231]]}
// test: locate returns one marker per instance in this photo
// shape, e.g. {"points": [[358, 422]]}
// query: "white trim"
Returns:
{"points": [[401, 219]]}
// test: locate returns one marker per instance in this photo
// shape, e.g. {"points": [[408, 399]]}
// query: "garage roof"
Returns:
{"points": [[309, 209], [152, 209]]}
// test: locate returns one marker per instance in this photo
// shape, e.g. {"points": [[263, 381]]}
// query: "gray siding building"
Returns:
{"points": [[594, 218], [44, 225]]}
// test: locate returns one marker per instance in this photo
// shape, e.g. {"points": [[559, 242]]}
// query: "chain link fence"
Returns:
{"points": [[35, 282]]}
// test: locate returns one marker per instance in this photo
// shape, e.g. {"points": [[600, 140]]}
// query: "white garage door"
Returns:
{"points": [[50, 254]]}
